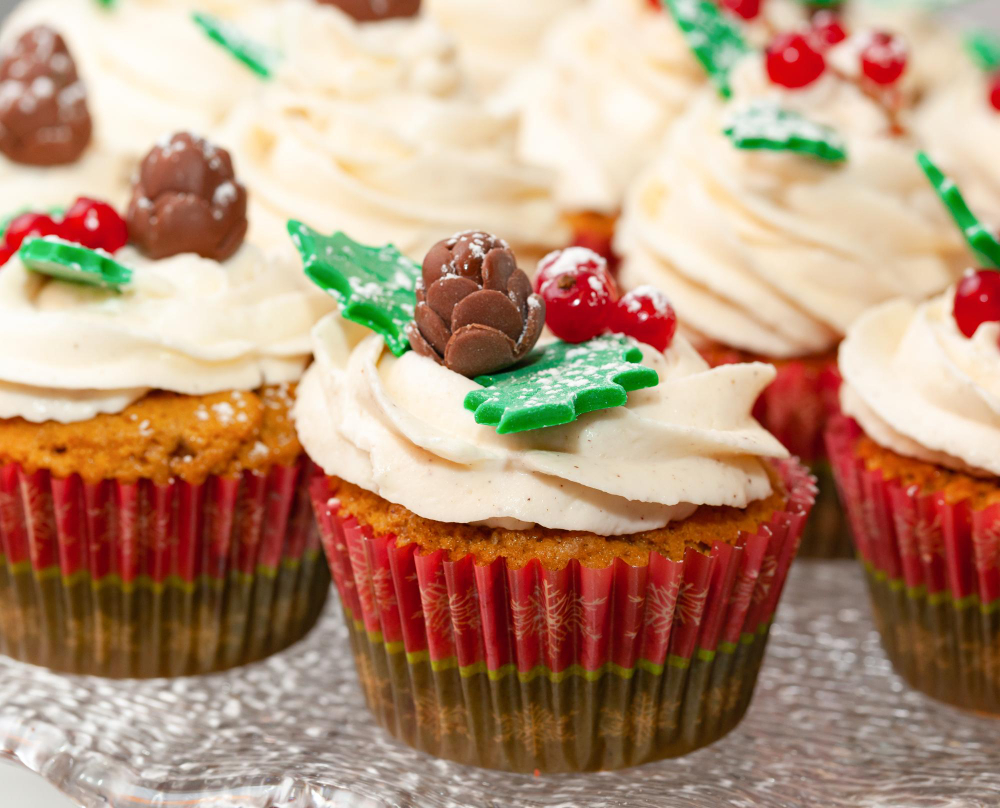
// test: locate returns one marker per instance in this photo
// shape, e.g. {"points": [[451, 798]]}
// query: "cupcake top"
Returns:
{"points": [[610, 78], [191, 309], [367, 126], [414, 428], [496, 39], [774, 251], [919, 386]]}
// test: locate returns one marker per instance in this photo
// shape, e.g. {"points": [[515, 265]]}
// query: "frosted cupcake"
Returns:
{"points": [[775, 219], [366, 126], [540, 571], [148, 68], [154, 513]]}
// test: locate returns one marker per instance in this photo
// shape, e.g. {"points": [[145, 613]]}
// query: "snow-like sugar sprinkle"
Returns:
{"points": [[570, 259], [224, 412]]}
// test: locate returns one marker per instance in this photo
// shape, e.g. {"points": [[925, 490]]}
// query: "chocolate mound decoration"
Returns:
{"points": [[187, 199], [373, 10], [44, 120], [476, 313]]}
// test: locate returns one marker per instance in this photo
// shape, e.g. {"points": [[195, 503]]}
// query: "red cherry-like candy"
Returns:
{"points": [[747, 9], [574, 259], [95, 224], [793, 62], [5, 254], [578, 297], [977, 300], [29, 224], [827, 29], [995, 92], [645, 314], [883, 59]]}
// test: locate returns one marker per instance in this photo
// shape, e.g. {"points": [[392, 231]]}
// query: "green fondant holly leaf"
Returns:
{"points": [[766, 126], [71, 262], [983, 47], [259, 58], [375, 286], [716, 42], [559, 382], [981, 240]]}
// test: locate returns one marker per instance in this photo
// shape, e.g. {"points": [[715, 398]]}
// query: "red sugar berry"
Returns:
{"points": [[95, 224], [995, 92], [645, 314], [747, 9], [793, 62], [29, 224], [5, 254], [827, 29], [977, 300], [579, 293], [883, 59]]}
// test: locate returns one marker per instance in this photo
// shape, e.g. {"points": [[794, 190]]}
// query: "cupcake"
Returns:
{"points": [[148, 69], [155, 518], [916, 454], [539, 570], [367, 125], [775, 219], [496, 39]]}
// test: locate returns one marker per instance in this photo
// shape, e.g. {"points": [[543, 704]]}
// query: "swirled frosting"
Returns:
{"points": [[496, 39], [398, 428], [369, 130], [960, 129], [775, 252], [185, 324], [919, 387]]}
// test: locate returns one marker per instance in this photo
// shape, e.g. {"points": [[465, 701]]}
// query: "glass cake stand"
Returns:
{"points": [[830, 725]]}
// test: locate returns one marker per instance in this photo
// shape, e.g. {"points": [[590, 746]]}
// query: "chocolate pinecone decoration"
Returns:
{"points": [[186, 198], [373, 10], [476, 313], [44, 120]]}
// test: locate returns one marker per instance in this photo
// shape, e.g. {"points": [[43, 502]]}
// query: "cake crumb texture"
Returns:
{"points": [[555, 548], [163, 436]]}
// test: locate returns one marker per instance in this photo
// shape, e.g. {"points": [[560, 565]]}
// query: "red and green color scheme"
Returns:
{"points": [[933, 569], [560, 670], [88, 222], [145, 579]]}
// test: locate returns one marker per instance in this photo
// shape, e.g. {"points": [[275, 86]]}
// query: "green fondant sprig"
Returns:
{"points": [[261, 59], [767, 126], [715, 41], [983, 47], [71, 262], [983, 243]]}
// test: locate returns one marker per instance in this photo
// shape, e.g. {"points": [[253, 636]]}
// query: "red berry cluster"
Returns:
{"points": [[89, 222], [796, 59], [977, 300], [995, 91], [582, 301], [747, 9]]}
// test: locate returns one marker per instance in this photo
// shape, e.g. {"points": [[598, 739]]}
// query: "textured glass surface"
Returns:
{"points": [[830, 725]]}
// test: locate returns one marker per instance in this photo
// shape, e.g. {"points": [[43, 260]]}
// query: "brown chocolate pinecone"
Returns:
{"points": [[372, 10], [476, 312], [44, 120]]}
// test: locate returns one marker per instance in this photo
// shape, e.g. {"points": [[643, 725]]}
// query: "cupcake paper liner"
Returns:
{"points": [[145, 579], [795, 408], [933, 570], [571, 670]]}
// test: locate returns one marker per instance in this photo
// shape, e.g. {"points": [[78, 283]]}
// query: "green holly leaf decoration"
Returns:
{"points": [[559, 382], [767, 126], [106, 3], [983, 243], [259, 58], [375, 286], [983, 47], [71, 262], [716, 42]]}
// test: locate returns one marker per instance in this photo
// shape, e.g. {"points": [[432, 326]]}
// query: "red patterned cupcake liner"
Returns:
{"points": [[560, 670], [933, 570], [795, 408], [148, 579]]}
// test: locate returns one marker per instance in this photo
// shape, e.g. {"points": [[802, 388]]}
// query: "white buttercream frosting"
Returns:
{"points": [[185, 324], [919, 387], [776, 252], [398, 428], [368, 129], [496, 39]]}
